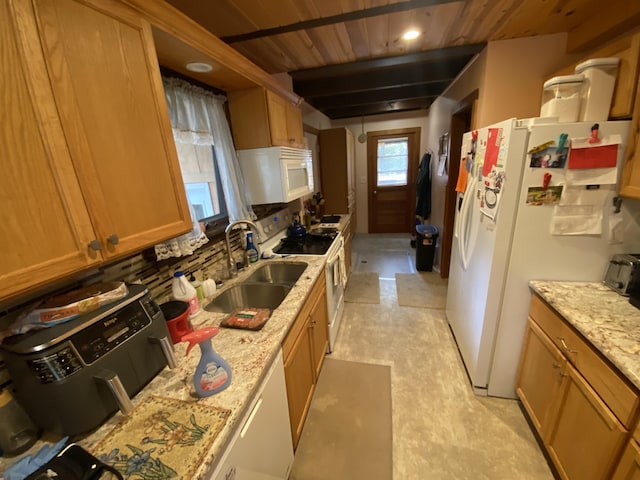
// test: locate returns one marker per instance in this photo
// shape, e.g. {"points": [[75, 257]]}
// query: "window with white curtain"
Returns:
{"points": [[202, 181], [208, 162]]}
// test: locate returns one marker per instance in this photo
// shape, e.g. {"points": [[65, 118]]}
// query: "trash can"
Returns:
{"points": [[427, 235]]}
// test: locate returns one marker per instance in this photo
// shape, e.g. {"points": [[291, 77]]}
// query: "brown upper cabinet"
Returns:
{"points": [[630, 182], [261, 118], [627, 49], [90, 171], [625, 103], [337, 170]]}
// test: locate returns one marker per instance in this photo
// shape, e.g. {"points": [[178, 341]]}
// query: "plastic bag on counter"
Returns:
{"points": [[65, 307]]}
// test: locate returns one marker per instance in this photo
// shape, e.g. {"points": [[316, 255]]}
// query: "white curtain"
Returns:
{"points": [[197, 117]]}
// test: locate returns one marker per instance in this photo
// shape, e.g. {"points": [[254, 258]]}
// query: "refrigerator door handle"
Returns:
{"points": [[463, 224], [462, 240]]}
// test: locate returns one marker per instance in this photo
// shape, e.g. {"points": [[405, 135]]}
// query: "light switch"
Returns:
{"points": [[363, 179]]}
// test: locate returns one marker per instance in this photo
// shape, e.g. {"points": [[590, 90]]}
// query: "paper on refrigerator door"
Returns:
{"points": [[493, 175], [580, 211], [593, 163]]}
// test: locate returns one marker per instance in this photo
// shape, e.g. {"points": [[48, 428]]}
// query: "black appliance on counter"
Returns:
{"points": [[622, 272], [633, 288], [315, 242], [71, 377]]}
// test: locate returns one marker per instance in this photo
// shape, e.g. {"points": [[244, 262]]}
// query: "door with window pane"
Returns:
{"points": [[392, 163]]}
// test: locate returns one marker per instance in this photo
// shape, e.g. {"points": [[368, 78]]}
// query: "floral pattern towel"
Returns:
{"points": [[162, 439]]}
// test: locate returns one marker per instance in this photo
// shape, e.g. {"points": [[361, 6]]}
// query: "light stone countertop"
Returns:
{"points": [[602, 316], [249, 353]]}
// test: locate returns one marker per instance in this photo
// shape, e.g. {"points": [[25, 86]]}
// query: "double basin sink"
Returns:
{"points": [[266, 287]]}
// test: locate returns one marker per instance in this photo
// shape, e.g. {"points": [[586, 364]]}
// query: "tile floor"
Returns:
{"points": [[441, 430]]}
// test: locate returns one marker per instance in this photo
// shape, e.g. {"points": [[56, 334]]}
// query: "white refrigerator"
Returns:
{"points": [[503, 238]]}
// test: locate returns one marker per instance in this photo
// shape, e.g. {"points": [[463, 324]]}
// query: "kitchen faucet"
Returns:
{"points": [[227, 231]]}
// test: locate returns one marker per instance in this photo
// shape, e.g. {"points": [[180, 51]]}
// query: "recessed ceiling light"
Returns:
{"points": [[199, 67], [411, 34]]}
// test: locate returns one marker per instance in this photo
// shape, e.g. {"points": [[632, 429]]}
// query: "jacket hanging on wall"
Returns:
{"points": [[423, 188]]}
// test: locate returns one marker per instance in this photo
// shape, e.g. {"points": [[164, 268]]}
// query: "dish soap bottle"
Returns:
{"points": [[251, 252], [184, 291], [197, 284], [213, 373]]}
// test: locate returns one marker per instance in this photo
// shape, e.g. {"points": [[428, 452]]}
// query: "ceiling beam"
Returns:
{"points": [[379, 108], [343, 17], [428, 56], [381, 95], [380, 79]]}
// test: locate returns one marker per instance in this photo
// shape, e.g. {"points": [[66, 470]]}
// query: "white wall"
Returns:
{"points": [[374, 123]]}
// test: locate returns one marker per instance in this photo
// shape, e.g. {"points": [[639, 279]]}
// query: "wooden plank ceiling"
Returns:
{"points": [[347, 57]]}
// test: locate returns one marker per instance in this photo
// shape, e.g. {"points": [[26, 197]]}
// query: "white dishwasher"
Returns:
{"points": [[261, 447]]}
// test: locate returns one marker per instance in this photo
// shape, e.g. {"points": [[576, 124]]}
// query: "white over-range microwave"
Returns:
{"points": [[276, 174]]}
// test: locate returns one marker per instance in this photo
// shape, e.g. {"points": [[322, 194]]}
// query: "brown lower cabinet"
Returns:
{"points": [[570, 394], [304, 349], [629, 465]]}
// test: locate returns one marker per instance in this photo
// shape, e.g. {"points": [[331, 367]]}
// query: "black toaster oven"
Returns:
{"points": [[71, 377]]}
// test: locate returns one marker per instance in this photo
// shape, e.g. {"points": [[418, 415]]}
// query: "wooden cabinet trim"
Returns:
{"points": [[614, 389]]}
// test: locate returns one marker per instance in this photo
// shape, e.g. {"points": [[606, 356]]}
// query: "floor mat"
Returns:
{"points": [[426, 290], [162, 439], [386, 262], [348, 432], [363, 287]]}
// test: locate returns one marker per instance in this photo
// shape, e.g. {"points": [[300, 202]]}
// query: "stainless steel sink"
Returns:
{"points": [[287, 273], [256, 295]]}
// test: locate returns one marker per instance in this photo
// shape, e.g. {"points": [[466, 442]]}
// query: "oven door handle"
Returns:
{"points": [[336, 265], [336, 256]]}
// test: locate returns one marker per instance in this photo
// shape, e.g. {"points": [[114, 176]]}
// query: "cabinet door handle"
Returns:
{"points": [[556, 365], [565, 346], [113, 239], [95, 245]]}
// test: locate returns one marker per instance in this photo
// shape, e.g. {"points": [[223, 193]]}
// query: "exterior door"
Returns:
{"points": [[392, 164]]}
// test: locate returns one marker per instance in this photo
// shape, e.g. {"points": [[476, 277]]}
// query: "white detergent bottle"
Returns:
{"points": [[213, 373], [208, 286], [184, 291]]}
